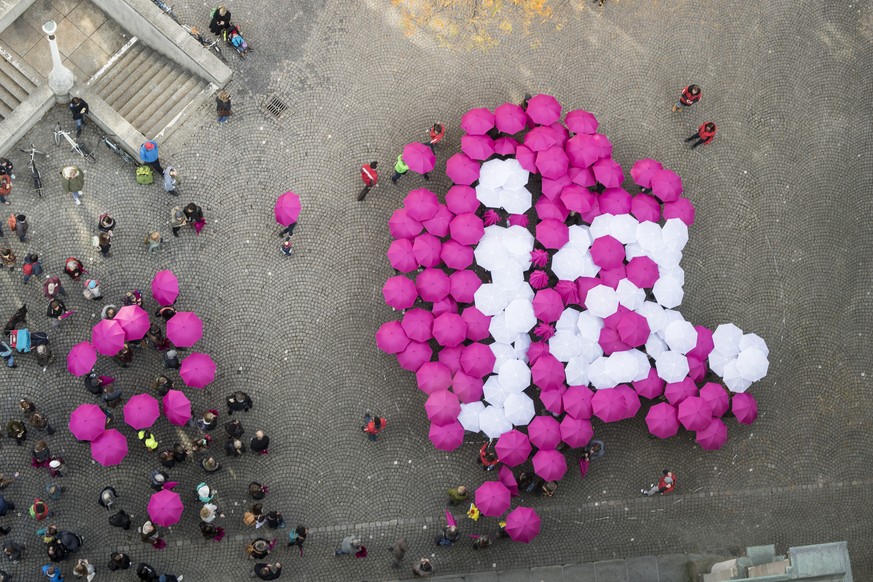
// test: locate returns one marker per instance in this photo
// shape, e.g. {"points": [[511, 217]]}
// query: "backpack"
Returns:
{"points": [[12, 222], [144, 175], [27, 269], [39, 338]]}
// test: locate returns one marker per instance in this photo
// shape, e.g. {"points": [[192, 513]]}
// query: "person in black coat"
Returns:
{"points": [[146, 573], [56, 551], [266, 571], [220, 20], [119, 561], [5, 505], [239, 401], [234, 429], [79, 108], [259, 443]]}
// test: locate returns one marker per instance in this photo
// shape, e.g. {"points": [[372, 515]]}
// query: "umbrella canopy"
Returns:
{"points": [[645, 208], [493, 423], [185, 329], [414, 356], [492, 498], [666, 185], [642, 272], [455, 255], [714, 436], [421, 204], [695, 413], [134, 320], [672, 366], [426, 249], [462, 199], [442, 407], [107, 337], [419, 157], [165, 507], [477, 147], [522, 524], [87, 422], [553, 234], [177, 407], [477, 121], [576, 432], [633, 329], [543, 109], [547, 305], [399, 292], [165, 287], [577, 402], [507, 478], [467, 229], [468, 388], [580, 121], [510, 118], [651, 386], [81, 359], [449, 329], [544, 432], [477, 324], [601, 301], [446, 437], [643, 170], [417, 324], [662, 420], [438, 224], [469, 417], [744, 407], [287, 208], [680, 336], [432, 284], [513, 448], [390, 338], [607, 252], [609, 405], [676, 392], [752, 364], [433, 376], [518, 408], [608, 172], [461, 169], [540, 139], [109, 448], [553, 162], [401, 225], [682, 209], [141, 411], [550, 464], [716, 396], [197, 370], [478, 360], [547, 372]]}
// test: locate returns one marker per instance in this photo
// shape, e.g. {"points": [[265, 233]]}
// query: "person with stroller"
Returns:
{"points": [[220, 20]]}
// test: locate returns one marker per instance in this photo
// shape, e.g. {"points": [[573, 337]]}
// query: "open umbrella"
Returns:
{"points": [[744, 407], [552, 162], [107, 336], [633, 329], [544, 432], [645, 208], [421, 204], [401, 256], [493, 423], [287, 208], [446, 437], [141, 411], [165, 287], [607, 252], [197, 370], [442, 407], [666, 185], [518, 408], [468, 388], [676, 392], [417, 324], [461, 169], [432, 284], [492, 498], [87, 422], [580, 121], [477, 147], [547, 372], [680, 336], [455, 255], [477, 324], [662, 420], [682, 209], [601, 300], [577, 402], [507, 478], [510, 118], [134, 320], [643, 170], [165, 507], [672, 366], [543, 109], [576, 432], [177, 407], [399, 292], [478, 360], [477, 121], [513, 448], [651, 386], [522, 524], [713, 437], [433, 376], [109, 448], [401, 225], [426, 250], [550, 464], [553, 234], [694, 413], [184, 329], [467, 229], [81, 359], [390, 338], [462, 199], [414, 356], [642, 272], [547, 305], [716, 396], [608, 172], [419, 157], [469, 416], [449, 329], [609, 405]]}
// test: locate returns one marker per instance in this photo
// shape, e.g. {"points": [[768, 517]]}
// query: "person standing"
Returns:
{"points": [[153, 242], [52, 287], [437, 132], [297, 536], [690, 95], [369, 176], [373, 425], [266, 571], [349, 545], [104, 242], [458, 495], [73, 180], [31, 267], [238, 401], [220, 20], [92, 290], [119, 561], [79, 109], [424, 569], [259, 443], [105, 223], [148, 153], [5, 188], [7, 256], [170, 181], [53, 573], [400, 168], [666, 485], [194, 214], [398, 551], [177, 220], [21, 227], [704, 135], [449, 536], [223, 106], [84, 569]]}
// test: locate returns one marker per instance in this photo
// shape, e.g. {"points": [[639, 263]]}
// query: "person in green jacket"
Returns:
{"points": [[73, 180], [458, 495], [400, 168]]}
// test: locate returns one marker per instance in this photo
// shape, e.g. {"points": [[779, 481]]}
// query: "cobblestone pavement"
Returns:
{"points": [[783, 216]]}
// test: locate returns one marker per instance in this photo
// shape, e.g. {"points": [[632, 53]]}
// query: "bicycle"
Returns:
{"points": [[211, 45], [119, 151], [75, 145], [34, 171], [166, 9]]}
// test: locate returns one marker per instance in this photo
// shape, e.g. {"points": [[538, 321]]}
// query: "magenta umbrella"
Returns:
{"points": [[581, 176], [540, 139], [467, 388], [507, 478], [544, 432], [577, 402], [607, 252], [197, 370], [455, 255], [401, 256], [87, 422], [462, 170], [666, 185], [445, 305], [662, 420], [609, 405], [426, 249], [610, 341], [576, 432], [705, 345], [433, 376], [477, 324], [510, 118], [492, 498], [547, 305], [716, 396], [527, 158], [553, 399], [543, 109], [682, 208], [165, 507], [477, 360], [177, 407], [582, 150], [651, 386], [414, 356], [477, 147], [477, 121], [109, 448], [467, 228], [744, 407], [694, 413], [165, 287], [552, 162], [632, 401], [419, 157], [399, 292], [642, 272], [449, 329], [551, 209], [633, 329], [513, 448], [81, 359], [438, 224], [463, 284], [714, 436], [553, 234], [547, 372], [580, 121], [134, 320], [676, 392], [550, 464], [643, 170], [522, 524], [645, 208], [451, 358], [608, 172], [576, 198], [432, 284], [418, 324], [141, 411], [287, 208], [462, 199], [568, 292], [505, 146], [442, 407], [421, 203], [401, 225], [446, 437], [107, 337], [184, 329], [615, 201], [539, 279], [603, 145]]}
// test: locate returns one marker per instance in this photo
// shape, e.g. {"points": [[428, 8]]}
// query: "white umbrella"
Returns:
{"points": [[752, 364], [518, 241], [655, 346], [488, 196], [666, 259], [499, 331], [568, 320], [634, 250], [519, 409], [490, 299], [649, 236], [469, 416], [516, 201], [569, 263], [675, 234], [515, 375], [580, 234], [520, 290], [502, 353], [643, 364], [602, 301], [490, 254], [495, 393], [733, 379], [576, 372], [493, 422], [726, 339], [493, 174], [674, 272], [668, 292], [520, 316], [621, 367], [624, 228], [521, 345], [565, 345], [629, 295], [681, 336], [654, 315], [589, 326], [718, 360], [508, 277], [598, 375], [600, 225], [516, 176], [591, 350], [753, 340], [672, 366]]}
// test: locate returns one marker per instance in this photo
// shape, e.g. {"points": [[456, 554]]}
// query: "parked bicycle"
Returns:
{"points": [[119, 151], [75, 145], [168, 10], [211, 45], [34, 171]]}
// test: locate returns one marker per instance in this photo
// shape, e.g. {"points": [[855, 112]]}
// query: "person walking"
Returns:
{"points": [[104, 242], [258, 549], [31, 267], [15, 429], [458, 495], [79, 109], [424, 569], [84, 569], [223, 106], [690, 95], [705, 134], [7, 256], [177, 220], [52, 287], [349, 545], [118, 561], [153, 242], [73, 181], [373, 425], [370, 177], [105, 223], [5, 188], [481, 542], [449, 536], [40, 422], [666, 485], [146, 572], [148, 153], [170, 181], [92, 290], [53, 573], [21, 227], [297, 536], [437, 132], [398, 551], [400, 168], [234, 429]]}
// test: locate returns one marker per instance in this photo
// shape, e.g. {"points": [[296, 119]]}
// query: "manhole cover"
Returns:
{"points": [[274, 106]]}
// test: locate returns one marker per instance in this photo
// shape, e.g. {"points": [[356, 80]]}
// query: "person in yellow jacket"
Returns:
{"points": [[148, 440], [400, 168]]}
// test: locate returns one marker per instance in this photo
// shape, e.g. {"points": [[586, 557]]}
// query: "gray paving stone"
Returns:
{"points": [[611, 571], [521, 575], [643, 569], [580, 572], [547, 574]]}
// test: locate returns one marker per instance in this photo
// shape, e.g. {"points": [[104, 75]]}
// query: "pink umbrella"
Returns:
{"points": [[477, 324], [553, 399], [694, 413], [543, 109], [455, 255], [391, 338], [522, 524], [662, 420], [433, 376], [462, 170], [607, 252], [109, 448], [584, 285], [696, 369], [581, 176], [744, 407], [165, 507], [197, 370], [547, 305], [547, 372], [537, 350], [552, 187], [87, 422], [477, 360], [107, 337], [632, 401], [615, 201], [287, 208], [426, 249], [400, 255], [526, 157], [539, 258], [445, 305], [505, 146], [676, 392], [608, 172], [81, 359], [401, 225], [544, 432], [185, 329], [491, 217], [539, 279], [418, 324], [651, 386], [432, 284], [633, 329], [510, 118], [478, 147], [467, 388], [577, 198], [666, 185], [134, 320], [141, 411], [576, 432], [568, 292], [577, 402], [467, 229], [603, 145], [551, 209], [399, 292], [442, 407], [462, 199], [612, 277], [705, 345], [582, 150], [609, 405], [477, 121], [446, 437], [414, 356], [580, 121], [507, 478], [552, 162], [165, 287], [463, 284], [643, 170], [553, 234], [177, 407], [513, 448], [681, 209], [419, 157], [716, 396], [610, 341], [451, 358], [713, 437], [421, 203], [545, 331], [540, 139], [438, 224], [492, 498], [645, 208], [642, 272], [550, 464], [449, 329]]}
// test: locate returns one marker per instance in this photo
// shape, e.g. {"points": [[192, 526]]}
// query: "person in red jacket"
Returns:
{"points": [[437, 131], [666, 485], [704, 134], [369, 176], [488, 457], [373, 425], [690, 95]]}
